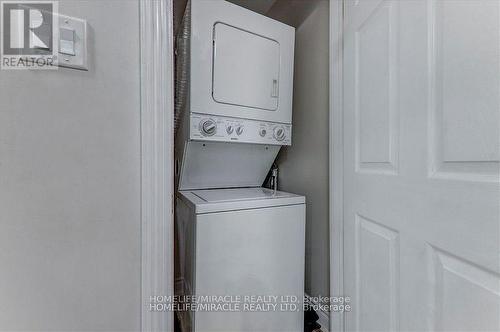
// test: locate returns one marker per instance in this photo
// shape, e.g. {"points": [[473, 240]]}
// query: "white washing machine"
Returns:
{"points": [[243, 242]]}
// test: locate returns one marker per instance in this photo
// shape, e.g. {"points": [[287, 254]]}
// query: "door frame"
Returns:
{"points": [[157, 159], [336, 162], [157, 109]]}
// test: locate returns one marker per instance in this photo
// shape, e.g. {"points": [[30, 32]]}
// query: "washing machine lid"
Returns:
{"points": [[220, 200]]}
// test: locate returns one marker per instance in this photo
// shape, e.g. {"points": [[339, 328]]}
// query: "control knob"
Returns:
{"points": [[262, 132], [279, 133], [229, 129], [239, 130], [208, 127]]}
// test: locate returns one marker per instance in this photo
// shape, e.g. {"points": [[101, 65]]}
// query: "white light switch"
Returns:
{"points": [[67, 41], [72, 42]]}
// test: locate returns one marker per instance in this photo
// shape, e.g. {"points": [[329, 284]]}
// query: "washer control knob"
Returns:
{"points": [[262, 132], [239, 130], [208, 127], [279, 133], [229, 129]]}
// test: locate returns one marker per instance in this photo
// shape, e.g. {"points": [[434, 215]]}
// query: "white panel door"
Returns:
{"points": [[421, 165], [246, 68]]}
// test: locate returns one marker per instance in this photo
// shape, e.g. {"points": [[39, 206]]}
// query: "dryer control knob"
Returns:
{"points": [[239, 130], [208, 127], [279, 133], [263, 132], [229, 129]]}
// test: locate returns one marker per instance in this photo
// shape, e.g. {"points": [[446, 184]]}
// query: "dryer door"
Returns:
{"points": [[245, 69]]}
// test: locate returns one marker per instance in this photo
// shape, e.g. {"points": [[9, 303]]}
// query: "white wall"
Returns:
{"points": [[304, 165], [70, 185]]}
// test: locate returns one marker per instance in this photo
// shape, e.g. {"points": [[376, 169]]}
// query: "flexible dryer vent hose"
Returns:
{"points": [[182, 66]]}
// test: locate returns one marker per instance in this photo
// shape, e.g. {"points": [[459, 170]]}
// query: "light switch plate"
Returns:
{"points": [[80, 59]]}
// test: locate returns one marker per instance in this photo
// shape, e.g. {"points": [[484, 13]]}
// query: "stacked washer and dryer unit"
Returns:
{"points": [[234, 237]]}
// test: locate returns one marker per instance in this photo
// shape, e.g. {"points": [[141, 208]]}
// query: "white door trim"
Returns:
{"points": [[336, 160], [157, 142]]}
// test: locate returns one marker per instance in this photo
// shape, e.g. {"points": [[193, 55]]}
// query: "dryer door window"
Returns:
{"points": [[245, 68]]}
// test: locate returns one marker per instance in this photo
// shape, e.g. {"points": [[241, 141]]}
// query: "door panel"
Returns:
{"points": [[376, 91], [377, 266], [465, 295], [421, 165], [464, 87]]}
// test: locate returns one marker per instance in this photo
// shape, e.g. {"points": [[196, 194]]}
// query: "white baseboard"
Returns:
{"points": [[324, 316]]}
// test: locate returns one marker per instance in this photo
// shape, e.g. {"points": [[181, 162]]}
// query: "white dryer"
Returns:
{"points": [[241, 64], [234, 95], [243, 242]]}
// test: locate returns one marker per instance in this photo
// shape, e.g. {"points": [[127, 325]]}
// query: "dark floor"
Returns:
{"points": [[177, 324]]}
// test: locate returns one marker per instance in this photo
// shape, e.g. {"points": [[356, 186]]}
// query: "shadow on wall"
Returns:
{"points": [[304, 166]]}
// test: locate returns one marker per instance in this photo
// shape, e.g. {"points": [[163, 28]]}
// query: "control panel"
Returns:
{"points": [[226, 129]]}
